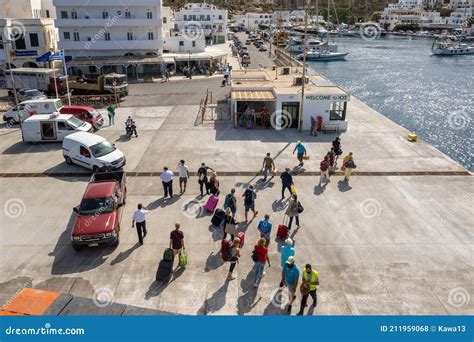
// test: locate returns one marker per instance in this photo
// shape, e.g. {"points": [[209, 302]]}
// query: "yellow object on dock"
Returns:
{"points": [[412, 137]]}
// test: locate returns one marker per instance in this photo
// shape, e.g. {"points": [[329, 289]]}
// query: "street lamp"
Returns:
{"points": [[11, 72]]}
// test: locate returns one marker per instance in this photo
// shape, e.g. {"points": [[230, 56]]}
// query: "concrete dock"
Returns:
{"points": [[397, 239]]}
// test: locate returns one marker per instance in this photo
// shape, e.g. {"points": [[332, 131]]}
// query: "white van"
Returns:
{"points": [[92, 151], [52, 127], [32, 107]]}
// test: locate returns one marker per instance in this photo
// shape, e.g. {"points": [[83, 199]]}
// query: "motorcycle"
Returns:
{"points": [[130, 128]]}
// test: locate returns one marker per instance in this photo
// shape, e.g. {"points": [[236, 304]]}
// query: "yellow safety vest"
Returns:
{"points": [[314, 277]]}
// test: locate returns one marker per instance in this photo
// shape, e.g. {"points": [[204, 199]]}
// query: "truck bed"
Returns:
{"points": [[118, 176]]}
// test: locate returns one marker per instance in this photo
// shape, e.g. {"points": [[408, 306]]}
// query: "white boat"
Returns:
{"points": [[451, 48], [323, 56], [295, 45]]}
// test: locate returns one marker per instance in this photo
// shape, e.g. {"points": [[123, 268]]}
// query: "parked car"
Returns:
{"points": [[32, 107], [263, 47], [30, 94], [92, 151], [52, 127], [84, 113], [99, 214]]}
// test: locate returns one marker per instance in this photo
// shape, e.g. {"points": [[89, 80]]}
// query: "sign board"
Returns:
{"points": [[342, 97], [27, 53]]}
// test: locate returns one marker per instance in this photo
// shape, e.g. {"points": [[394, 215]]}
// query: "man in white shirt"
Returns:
{"points": [[167, 180], [183, 171], [139, 220]]}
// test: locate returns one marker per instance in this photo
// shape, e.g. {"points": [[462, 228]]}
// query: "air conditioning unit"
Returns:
{"points": [[298, 81], [285, 71]]}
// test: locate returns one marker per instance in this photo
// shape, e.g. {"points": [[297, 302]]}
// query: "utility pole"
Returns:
{"points": [[11, 72], [303, 83]]}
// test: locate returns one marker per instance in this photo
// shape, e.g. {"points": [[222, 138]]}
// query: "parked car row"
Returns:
{"points": [[29, 108]]}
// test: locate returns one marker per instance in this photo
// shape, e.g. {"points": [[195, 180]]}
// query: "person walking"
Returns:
{"points": [[349, 165], [293, 211], [231, 202], [336, 144], [265, 229], [268, 166], [167, 180], [234, 257], [203, 178], [139, 221], [214, 184], [183, 172], [331, 157], [260, 256], [324, 167], [111, 114], [309, 287], [286, 182], [289, 277], [287, 251], [177, 240], [249, 196], [230, 225], [301, 152]]}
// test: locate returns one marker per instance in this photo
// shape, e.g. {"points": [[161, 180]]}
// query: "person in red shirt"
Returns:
{"points": [[324, 167], [260, 256], [177, 239]]}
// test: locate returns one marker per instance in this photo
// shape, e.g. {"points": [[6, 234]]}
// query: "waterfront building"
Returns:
{"points": [[280, 92], [106, 36], [204, 18], [29, 27], [252, 21]]}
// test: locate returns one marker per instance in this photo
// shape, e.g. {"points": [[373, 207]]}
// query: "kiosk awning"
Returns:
{"points": [[253, 96]]}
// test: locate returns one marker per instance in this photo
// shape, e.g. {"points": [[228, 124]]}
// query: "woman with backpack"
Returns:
{"points": [[294, 209], [260, 256], [231, 202], [234, 255], [230, 225]]}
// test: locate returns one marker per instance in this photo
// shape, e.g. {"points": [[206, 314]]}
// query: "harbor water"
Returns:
{"points": [[428, 95]]}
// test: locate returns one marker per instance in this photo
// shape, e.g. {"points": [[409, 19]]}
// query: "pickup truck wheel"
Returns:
{"points": [[116, 243], [77, 248], [10, 122], [95, 169], [68, 160]]}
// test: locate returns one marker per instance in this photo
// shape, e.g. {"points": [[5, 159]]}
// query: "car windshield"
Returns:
{"points": [[75, 122], [33, 93], [95, 113], [96, 206], [103, 148]]}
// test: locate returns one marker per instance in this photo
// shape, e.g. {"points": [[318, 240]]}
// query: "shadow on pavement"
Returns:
{"points": [[162, 202], [156, 287], [25, 147], [344, 186], [246, 302], [125, 254], [215, 302], [274, 307], [213, 261]]}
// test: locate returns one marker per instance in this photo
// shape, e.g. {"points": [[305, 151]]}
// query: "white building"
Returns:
{"points": [[202, 19], [252, 21], [29, 29]]}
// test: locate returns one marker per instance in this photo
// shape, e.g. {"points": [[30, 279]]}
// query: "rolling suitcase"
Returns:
{"points": [[225, 250], [211, 203], [168, 255], [165, 269], [241, 236], [282, 232], [218, 217]]}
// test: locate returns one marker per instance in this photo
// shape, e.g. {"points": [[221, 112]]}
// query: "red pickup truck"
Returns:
{"points": [[99, 214]]}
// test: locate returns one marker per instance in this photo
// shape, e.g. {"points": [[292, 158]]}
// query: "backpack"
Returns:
{"points": [[225, 250], [249, 196], [255, 254], [229, 203]]}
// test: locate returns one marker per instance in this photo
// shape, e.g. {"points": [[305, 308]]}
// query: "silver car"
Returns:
{"points": [[30, 94]]}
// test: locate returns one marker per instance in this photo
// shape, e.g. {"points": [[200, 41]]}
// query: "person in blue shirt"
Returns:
{"points": [[286, 251], [286, 182], [289, 277], [301, 151], [265, 229]]}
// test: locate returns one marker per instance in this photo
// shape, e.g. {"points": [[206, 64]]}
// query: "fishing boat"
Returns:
{"points": [[323, 56], [295, 45], [451, 48]]}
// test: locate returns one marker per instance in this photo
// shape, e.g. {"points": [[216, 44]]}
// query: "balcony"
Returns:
{"points": [[105, 45], [108, 23]]}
